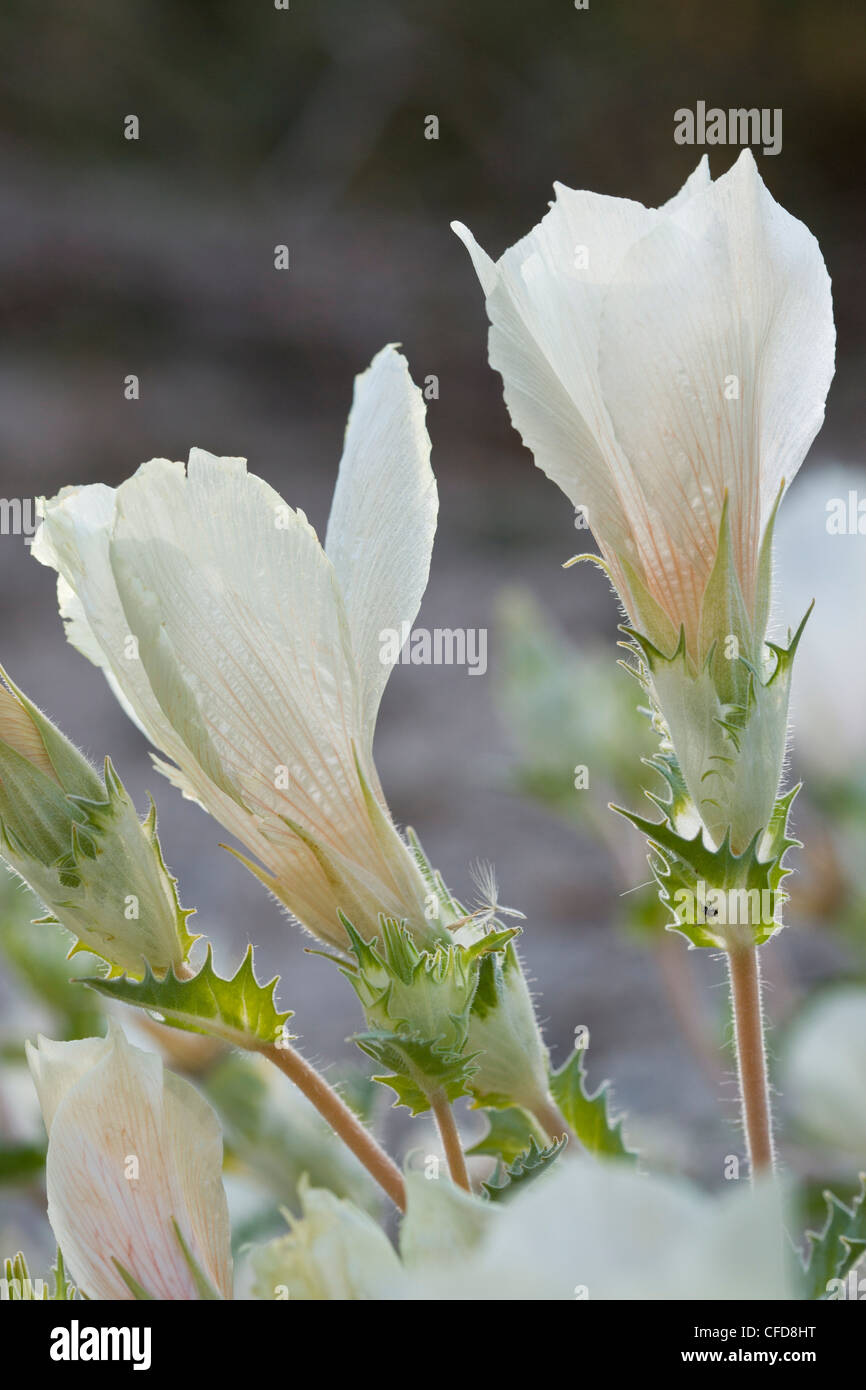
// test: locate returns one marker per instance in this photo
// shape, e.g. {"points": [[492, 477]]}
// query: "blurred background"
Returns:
{"points": [[155, 257]]}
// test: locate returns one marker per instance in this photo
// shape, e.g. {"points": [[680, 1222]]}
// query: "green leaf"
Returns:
{"points": [[589, 1116], [838, 1246], [239, 1010], [525, 1169], [421, 1070]]}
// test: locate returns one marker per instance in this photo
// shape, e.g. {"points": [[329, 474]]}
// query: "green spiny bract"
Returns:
{"points": [[721, 713], [417, 1004], [511, 1060], [76, 840]]}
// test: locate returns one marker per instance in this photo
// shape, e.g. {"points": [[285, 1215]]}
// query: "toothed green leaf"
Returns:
{"points": [[837, 1247], [523, 1170], [239, 1010], [589, 1116]]}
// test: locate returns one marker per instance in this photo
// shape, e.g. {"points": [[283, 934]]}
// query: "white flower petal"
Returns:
{"points": [[131, 1148], [605, 1229], [728, 286], [544, 299], [243, 637], [383, 517], [334, 1252]]}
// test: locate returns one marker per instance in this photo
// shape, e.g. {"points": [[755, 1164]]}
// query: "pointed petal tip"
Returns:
{"points": [[485, 266]]}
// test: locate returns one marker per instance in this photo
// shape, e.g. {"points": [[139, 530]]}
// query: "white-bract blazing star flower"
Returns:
{"points": [[134, 1172], [254, 658], [668, 369]]}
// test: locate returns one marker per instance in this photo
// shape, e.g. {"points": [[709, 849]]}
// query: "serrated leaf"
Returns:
{"points": [[589, 1115], [837, 1247], [239, 1010], [523, 1170]]}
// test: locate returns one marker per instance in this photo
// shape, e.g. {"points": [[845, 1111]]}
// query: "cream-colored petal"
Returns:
{"points": [[544, 306], [243, 637], [697, 181], [131, 1149], [218, 617], [715, 357], [74, 540], [334, 1252], [383, 517], [57, 1066], [603, 1231]]}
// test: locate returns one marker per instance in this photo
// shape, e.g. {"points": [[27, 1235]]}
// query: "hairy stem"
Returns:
{"points": [[751, 1055], [448, 1133], [341, 1119]]}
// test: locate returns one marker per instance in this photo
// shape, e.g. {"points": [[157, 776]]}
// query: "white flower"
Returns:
{"points": [[603, 1231], [587, 1230], [252, 657], [668, 369], [132, 1149], [333, 1252], [655, 359]]}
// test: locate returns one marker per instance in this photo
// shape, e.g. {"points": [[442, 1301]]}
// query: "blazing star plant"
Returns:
{"points": [[668, 369]]}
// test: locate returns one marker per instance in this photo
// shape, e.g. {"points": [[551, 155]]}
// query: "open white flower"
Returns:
{"points": [[600, 1230], [334, 1251], [668, 369], [132, 1150], [253, 658], [587, 1230]]}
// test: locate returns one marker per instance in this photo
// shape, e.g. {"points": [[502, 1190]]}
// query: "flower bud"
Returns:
{"points": [[76, 840], [134, 1172]]}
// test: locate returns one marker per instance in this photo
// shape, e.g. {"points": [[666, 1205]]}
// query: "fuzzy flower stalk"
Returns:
{"points": [[668, 369]]}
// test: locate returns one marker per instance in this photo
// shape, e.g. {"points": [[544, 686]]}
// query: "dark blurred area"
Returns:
{"points": [[155, 257]]}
